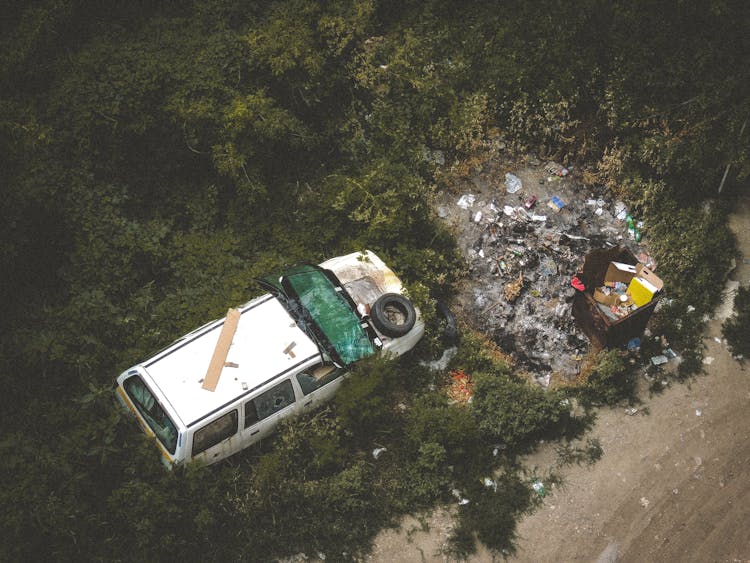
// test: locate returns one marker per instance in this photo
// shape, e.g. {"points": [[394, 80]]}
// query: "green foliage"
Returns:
{"points": [[516, 414], [737, 327], [610, 382], [491, 514], [479, 355], [365, 404], [431, 419], [158, 157]]}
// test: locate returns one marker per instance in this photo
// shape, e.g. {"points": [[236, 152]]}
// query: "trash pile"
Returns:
{"points": [[524, 235]]}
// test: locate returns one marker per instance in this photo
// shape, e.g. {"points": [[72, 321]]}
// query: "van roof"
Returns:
{"points": [[267, 344]]}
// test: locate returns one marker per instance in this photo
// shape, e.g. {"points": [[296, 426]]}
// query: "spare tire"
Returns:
{"points": [[393, 314]]}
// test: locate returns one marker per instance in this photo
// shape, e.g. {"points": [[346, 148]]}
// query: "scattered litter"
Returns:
{"points": [[708, 360], [631, 411], [490, 484], [512, 183], [675, 491], [377, 452], [690, 308], [466, 201], [635, 344], [538, 486], [442, 362], [644, 502], [698, 412], [556, 203], [523, 258], [717, 339], [477, 216], [577, 284], [513, 289], [461, 387], [659, 360], [669, 353], [461, 500]]}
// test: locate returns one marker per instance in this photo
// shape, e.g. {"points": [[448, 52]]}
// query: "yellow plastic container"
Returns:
{"points": [[641, 291]]}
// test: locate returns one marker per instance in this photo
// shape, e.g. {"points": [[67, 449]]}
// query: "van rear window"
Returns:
{"points": [[152, 412]]}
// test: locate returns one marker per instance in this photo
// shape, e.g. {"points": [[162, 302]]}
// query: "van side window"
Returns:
{"points": [[317, 376], [214, 432], [269, 402]]}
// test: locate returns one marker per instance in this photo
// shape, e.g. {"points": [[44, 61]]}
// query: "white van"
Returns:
{"points": [[226, 385]]}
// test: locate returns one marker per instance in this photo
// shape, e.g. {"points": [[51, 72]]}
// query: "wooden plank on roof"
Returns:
{"points": [[222, 349]]}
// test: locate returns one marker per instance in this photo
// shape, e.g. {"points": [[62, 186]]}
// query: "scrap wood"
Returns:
{"points": [[222, 349], [513, 289]]}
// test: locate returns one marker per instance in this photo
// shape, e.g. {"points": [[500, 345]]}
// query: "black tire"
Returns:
{"points": [[450, 331], [393, 315]]}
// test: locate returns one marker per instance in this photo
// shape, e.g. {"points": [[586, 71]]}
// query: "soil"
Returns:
{"points": [[673, 483]]}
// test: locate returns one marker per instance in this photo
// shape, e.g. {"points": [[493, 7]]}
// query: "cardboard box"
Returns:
{"points": [[604, 299], [599, 327], [642, 283]]}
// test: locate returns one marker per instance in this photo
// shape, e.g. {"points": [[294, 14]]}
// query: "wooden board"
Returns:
{"points": [[222, 349]]}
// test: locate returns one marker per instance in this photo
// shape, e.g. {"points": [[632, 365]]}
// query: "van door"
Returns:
{"points": [[319, 384], [264, 411], [217, 439]]}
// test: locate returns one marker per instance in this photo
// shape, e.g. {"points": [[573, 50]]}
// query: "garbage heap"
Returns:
{"points": [[524, 234]]}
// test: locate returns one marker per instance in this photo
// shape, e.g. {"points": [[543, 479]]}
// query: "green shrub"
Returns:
{"points": [[610, 382], [365, 403], [433, 420], [491, 513], [516, 414]]}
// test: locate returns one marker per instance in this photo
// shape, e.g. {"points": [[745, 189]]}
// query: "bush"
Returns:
{"points": [[433, 420], [610, 382], [365, 403], [491, 513], [516, 414]]}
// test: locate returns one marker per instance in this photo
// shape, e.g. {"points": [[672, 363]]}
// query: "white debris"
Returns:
{"points": [[659, 360], [478, 217], [377, 452], [512, 183], [466, 201], [708, 360]]}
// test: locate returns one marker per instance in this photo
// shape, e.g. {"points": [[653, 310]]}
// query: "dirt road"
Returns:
{"points": [[673, 485]]}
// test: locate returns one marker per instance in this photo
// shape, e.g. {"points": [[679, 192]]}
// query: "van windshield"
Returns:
{"points": [[334, 315], [152, 412]]}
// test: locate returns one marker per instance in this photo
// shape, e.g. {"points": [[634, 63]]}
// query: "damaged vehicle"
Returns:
{"points": [[228, 384]]}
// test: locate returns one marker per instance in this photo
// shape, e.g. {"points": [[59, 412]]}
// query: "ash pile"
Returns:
{"points": [[524, 236]]}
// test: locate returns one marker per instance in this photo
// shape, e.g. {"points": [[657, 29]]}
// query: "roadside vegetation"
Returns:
{"points": [[159, 157]]}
